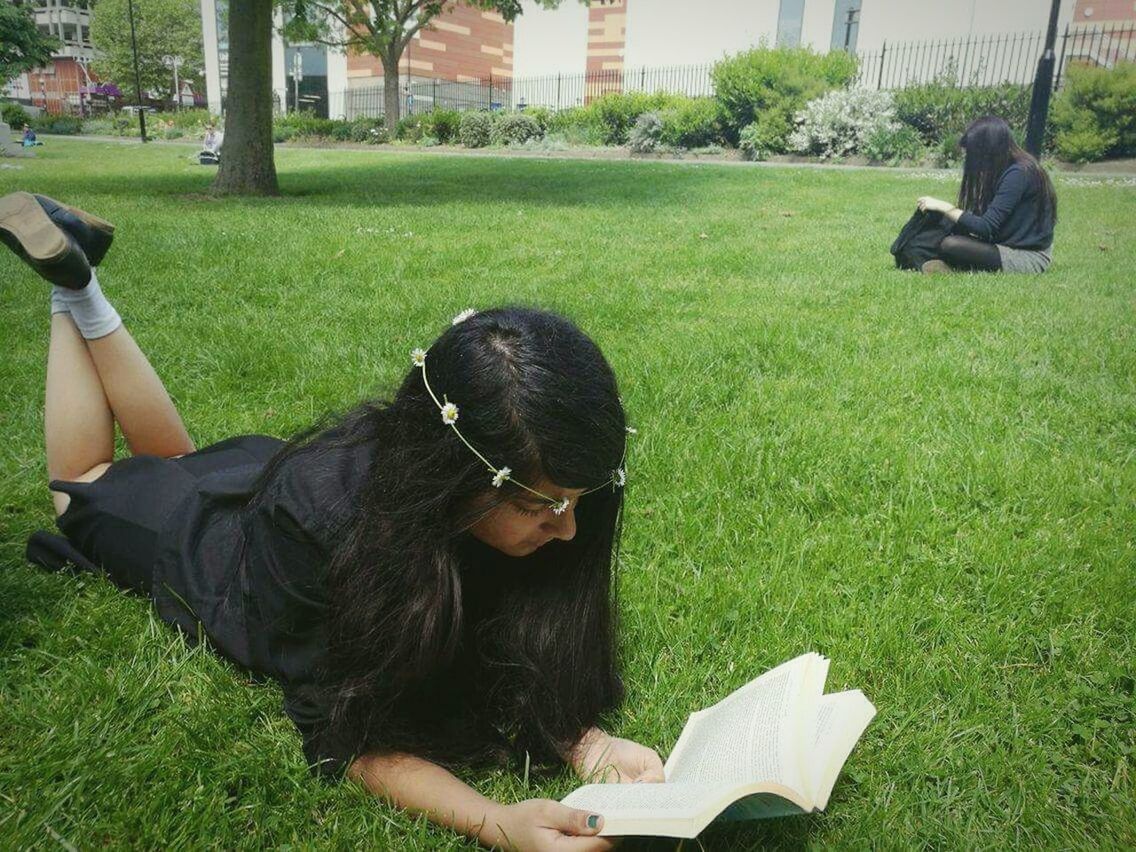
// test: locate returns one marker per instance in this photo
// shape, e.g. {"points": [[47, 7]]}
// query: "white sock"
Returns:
{"points": [[94, 316]]}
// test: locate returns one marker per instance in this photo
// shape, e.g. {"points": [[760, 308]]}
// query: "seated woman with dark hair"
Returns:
{"points": [[1006, 210]]}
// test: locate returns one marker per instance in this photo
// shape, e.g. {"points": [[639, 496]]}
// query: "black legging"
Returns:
{"points": [[969, 253]]}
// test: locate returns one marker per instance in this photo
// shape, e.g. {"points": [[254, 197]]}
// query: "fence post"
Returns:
{"points": [[558, 93], [880, 78], [489, 102]]}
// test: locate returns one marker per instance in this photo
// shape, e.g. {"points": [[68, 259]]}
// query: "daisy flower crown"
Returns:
{"points": [[502, 474]]}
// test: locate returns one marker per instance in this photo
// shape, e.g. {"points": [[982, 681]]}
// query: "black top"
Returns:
{"points": [[1015, 216], [253, 575]]}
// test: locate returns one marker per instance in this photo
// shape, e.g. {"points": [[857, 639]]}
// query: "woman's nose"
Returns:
{"points": [[564, 526]]}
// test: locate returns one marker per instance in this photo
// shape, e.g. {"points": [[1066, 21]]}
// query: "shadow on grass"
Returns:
{"points": [[416, 182]]}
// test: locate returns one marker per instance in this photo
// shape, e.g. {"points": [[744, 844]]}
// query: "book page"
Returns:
{"points": [[750, 736], [683, 800], [841, 720]]}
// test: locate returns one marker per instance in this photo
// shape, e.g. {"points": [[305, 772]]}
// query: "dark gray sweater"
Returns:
{"points": [[1015, 216]]}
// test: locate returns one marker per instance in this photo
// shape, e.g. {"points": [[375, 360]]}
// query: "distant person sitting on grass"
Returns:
{"points": [[1006, 211], [30, 140], [429, 577], [210, 154]]}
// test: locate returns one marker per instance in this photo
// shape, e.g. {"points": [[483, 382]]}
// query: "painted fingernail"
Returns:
{"points": [[594, 821]]}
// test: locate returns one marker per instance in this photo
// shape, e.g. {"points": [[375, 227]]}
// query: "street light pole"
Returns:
{"points": [[1042, 86], [137, 76]]}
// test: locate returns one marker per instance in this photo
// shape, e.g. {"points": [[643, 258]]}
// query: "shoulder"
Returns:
{"points": [[318, 486]]}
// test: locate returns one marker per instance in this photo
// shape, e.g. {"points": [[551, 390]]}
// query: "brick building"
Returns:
{"points": [[60, 86]]}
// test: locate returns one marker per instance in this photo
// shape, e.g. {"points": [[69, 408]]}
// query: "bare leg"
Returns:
{"points": [[90, 385], [78, 424], [141, 405]]}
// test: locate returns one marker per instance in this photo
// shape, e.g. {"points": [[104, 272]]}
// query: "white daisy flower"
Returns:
{"points": [[561, 507], [418, 357], [449, 414], [463, 316], [619, 476], [631, 430], [500, 476]]}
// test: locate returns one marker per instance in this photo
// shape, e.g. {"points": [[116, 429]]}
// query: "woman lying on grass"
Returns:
{"points": [[429, 578], [1006, 209]]}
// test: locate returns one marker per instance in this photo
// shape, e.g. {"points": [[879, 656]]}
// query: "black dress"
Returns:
{"points": [[248, 574]]}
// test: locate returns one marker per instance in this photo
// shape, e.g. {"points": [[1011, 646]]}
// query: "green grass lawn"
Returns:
{"points": [[931, 480]]}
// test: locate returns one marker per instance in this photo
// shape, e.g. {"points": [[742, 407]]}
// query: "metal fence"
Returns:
{"points": [[990, 60], [555, 91], [982, 61]]}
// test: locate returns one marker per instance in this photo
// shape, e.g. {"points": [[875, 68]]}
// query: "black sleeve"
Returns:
{"points": [[1011, 188]]}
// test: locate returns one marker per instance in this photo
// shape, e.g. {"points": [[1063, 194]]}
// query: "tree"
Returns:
{"points": [[382, 28], [247, 163], [22, 46], [165, 29]]}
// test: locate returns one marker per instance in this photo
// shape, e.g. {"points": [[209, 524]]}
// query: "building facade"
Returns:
{"points": [[60, 87], [613, 40]]}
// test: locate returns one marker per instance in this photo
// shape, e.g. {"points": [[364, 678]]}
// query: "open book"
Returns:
{"points": [[772, 748]]}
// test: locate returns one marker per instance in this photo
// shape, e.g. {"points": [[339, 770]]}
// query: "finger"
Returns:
{"points": [[574, 821]]}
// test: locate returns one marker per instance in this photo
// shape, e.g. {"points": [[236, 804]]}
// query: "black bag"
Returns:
{"points": [[209, 158], [919, 239]]}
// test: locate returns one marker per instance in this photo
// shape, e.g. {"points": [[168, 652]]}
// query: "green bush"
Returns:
{"points": [[893, 145], [577, 126], [410, 129], [614, 113], [341, 131], [766, 136], [941, 109], [14, 115], [61, 125], [646, 134], [303, 124], [1094, 116], [442, 125], [514, 128], [474, 130], [691, 123], [363, 129], [755, 83], [543, 116]]}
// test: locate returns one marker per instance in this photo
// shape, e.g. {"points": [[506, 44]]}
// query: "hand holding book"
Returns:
{"points": [[772, 748]]}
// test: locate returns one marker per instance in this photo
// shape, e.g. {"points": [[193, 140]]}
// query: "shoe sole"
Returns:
{"points": [[100, 232], [39, 237]]}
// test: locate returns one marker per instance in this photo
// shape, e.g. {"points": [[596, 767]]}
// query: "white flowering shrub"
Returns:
{"points": [[646, 134], [839, 123]]}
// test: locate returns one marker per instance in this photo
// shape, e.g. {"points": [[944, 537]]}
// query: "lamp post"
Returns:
{"points": [[137, 76], [1042, 87]]}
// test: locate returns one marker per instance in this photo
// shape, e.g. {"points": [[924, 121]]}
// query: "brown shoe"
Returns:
{"points": [[935, 267], [27, 229]]}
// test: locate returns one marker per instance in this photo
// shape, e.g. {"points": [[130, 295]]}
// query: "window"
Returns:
{"points": [[789, 20], [846, 25], [86, 33]]}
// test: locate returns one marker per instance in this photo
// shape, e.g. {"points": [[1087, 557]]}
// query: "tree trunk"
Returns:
{"points": [[391, 96], [247, 164]]}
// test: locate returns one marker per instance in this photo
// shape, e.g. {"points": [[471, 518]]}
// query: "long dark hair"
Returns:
{"points": [[439, 645], [990, 150]]}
